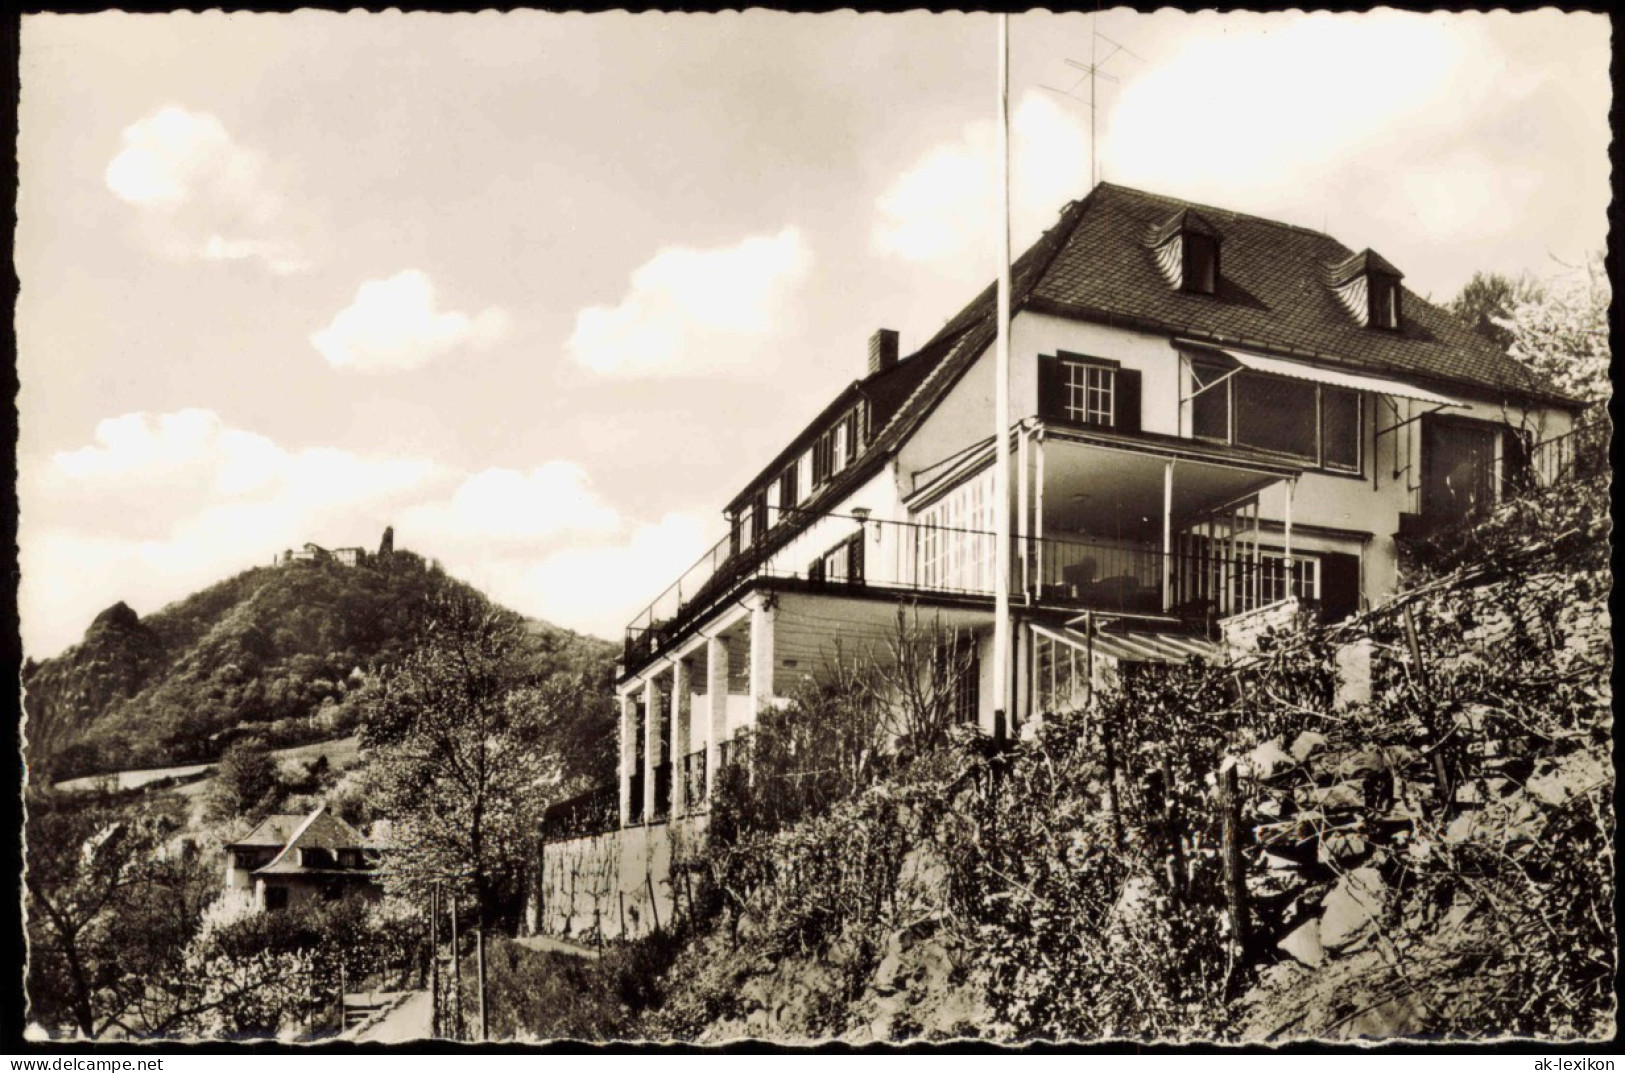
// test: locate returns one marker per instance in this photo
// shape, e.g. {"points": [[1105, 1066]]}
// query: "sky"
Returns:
{"points": [[543, 291]]}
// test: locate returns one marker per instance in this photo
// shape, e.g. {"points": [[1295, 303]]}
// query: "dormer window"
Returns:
{"points": [[1384, 302], [1201, 274], [1187, 252], [1368, 287]]}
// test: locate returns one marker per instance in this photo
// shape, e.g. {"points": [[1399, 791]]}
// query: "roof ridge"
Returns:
{"points": [[1200, 207], [294, 838]]}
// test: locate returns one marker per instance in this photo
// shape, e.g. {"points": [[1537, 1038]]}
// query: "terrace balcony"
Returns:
{"points": [[1208, 575]]}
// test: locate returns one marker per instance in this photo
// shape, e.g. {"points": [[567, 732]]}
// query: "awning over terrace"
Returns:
{"points": [[1129, 645], [1318, 374]]}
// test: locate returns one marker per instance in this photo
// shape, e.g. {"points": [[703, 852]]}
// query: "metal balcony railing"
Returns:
{"points": [[1086, 573], [634, 804], [1576, 455], [662, 808], [693, 775], [595, 812]]}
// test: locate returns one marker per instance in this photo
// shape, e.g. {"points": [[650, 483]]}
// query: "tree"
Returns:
{"points": [[110, 908], [457, 733], [921, 680], [246, 781], [1561, 330], [1489, 298]]}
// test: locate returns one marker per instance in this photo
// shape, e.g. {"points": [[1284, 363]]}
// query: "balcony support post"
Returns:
{"points": [[1038, 514], [1167, 534], [1291, 487], [679, 733], [629, 727], [762, 620], [716, 699], [1023, 545], [651, 745]]}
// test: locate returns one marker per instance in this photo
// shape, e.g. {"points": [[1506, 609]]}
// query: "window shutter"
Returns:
{"points": [[854, 559], [1517, 471], [1128, 400], [787, 489], [758, 516], [733, 535], [1051, 388], [1339, 586]]}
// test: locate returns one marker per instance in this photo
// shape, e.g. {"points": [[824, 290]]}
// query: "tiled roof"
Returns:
{"points": [[1367, 260], [320, 830], [1273, 294], [1183, 220], [272, 831], [1097, 263]]}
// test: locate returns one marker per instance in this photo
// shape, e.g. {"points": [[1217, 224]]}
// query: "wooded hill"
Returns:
{"points": [[282, 653]]}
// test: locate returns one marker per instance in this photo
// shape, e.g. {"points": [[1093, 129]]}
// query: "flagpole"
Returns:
{"points": [[1001, 406]]}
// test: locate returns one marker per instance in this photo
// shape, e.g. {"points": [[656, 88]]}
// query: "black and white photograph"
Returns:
{"points": [[877, 529]]}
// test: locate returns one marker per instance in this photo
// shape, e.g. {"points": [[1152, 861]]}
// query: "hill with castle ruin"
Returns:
{"points": [[281, 653]]}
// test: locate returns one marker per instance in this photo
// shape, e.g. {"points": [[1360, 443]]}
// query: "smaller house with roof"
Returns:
{"points": [[290, 860]]}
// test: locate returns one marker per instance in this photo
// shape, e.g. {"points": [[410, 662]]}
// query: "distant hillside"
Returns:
{"points": [[279, 652]]}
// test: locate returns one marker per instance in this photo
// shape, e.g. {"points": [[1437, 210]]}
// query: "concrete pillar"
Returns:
{"points": [[629, 726], [716, 699], [1167, 534], [1291, 487], [762, 618], [679, 732], [651, 745]]}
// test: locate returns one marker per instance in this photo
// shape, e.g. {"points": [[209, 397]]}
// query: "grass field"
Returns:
{"points": [[340, 753]]}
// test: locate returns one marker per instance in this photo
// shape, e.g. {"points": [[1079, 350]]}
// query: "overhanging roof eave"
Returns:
{"points": [[1298, 370]]}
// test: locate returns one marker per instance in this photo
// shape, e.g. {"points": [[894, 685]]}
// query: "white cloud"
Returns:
{"points": [[393, 325], [695, 312], [1262, 111], [599, 589], [156, 455], [200, 194], [159, 506], [504, 507], [941, 210]]}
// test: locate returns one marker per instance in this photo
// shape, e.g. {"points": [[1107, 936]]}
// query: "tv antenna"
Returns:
{"points": [[1093, 70]]}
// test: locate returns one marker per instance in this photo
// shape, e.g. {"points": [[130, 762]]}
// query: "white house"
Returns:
{"points": [[1212, 414]]}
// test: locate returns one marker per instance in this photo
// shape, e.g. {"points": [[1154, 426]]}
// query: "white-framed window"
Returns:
{"points": [[1091, 393], [1384, 297], [1272, 582], [838, 460], [953, 540], [804, 475], [1319, 423]]}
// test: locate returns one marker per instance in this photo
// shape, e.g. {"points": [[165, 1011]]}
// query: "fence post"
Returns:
{"points": [[434, 961], [1441, 771], [654, 910], [1235, 886], [1171, 828], [456, 975], [1111, 787]]}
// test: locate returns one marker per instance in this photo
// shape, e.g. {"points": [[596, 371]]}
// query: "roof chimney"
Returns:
{"points": [[882, 351]]}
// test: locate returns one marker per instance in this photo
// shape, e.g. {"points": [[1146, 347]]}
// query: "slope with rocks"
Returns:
{"points": [[1400, 826]]}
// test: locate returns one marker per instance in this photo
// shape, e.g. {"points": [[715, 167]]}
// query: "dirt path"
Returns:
{"points": [[410, 1020], [557, 946]]}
